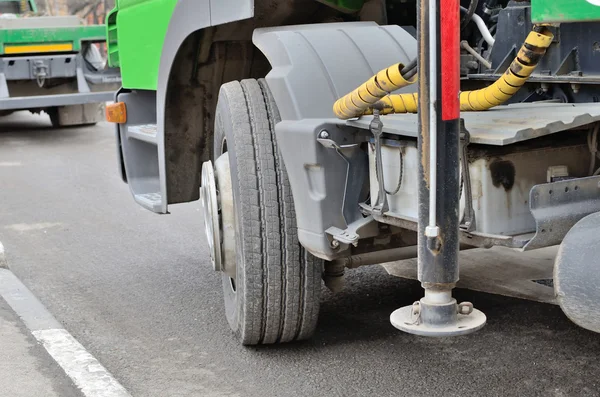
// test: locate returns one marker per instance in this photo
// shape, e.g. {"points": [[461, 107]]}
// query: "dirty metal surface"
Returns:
{"points": [[499, 270], [558, 206], [503, 125], [475, 239]]}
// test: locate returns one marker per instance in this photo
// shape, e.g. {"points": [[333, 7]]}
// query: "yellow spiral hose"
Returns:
{"points": [[24, 6], [378, 86], [500, 91]]}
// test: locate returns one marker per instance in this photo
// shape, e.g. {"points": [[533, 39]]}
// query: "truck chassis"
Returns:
{"points": [[288, 188]]}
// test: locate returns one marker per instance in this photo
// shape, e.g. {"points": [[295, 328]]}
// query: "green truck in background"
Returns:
{"points": [[51, 64]]}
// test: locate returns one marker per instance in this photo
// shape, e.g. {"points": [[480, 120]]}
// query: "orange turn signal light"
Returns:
{"points": [[116, 113]]}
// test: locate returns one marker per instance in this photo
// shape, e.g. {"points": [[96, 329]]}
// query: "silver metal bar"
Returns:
{"points": [[432, 230], [43, 101], [383, 256], [464, 44]]}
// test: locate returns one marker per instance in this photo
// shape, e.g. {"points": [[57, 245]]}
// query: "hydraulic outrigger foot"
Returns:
{"points": [[438, 314]]}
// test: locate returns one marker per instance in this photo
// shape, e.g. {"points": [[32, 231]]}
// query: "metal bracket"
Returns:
{"points": [[40, 69], [82, 85], [468, 223], [376, 128], [558, 206], [364, 227], [3, 86], [352, 184], [343, 236], [324, 140]]}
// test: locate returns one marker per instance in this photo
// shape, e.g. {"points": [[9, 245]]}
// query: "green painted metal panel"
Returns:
{"points": [[112, 42], [73, 35], [546, 11], [137, 30]]}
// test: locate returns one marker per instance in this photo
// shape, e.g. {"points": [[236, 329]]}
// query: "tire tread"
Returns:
{"points": [[281, 281]]}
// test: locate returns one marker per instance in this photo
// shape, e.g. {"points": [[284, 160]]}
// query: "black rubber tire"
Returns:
{"points": [[278, 283], [53, 113]]}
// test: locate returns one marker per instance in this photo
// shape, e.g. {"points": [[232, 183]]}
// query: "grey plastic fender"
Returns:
{"points": [[313, 66]]}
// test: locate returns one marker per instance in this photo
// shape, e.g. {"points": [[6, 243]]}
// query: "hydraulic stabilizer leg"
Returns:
{"points": [[437, 313]]}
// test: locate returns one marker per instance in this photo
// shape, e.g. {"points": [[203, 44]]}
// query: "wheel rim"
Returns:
{"points": [[208, 197], [219, 215]]}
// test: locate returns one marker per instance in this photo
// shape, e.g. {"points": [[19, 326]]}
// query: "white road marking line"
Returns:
{"points": [[86, 372], [28, 227], [10, 164]]}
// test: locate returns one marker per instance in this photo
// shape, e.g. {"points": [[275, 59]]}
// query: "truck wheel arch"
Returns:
{"points": [[181, 101]]}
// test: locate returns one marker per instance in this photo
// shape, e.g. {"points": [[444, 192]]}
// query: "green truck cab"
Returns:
{"points": [[238, 102], [52, 64]]}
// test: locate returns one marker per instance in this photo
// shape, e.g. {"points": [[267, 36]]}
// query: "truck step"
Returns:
{"points": [[143, 132], [151, 201]]}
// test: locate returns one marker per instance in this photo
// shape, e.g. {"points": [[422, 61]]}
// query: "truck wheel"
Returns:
{"points": [[271, 283], [576, 276], [53, 113]]}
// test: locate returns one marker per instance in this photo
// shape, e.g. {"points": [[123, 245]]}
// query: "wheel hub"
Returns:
{"points": [[216, 195], [208, 196]]}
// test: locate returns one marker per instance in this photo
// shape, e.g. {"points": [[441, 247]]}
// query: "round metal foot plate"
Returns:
{"points": [[404, 320]]}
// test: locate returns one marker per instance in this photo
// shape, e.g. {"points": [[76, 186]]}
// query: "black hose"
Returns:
{"points": [[411, 65], [409, 75], [469, 13]]}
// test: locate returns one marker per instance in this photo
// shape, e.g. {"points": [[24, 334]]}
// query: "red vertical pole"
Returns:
{"points": [[450, 54]]}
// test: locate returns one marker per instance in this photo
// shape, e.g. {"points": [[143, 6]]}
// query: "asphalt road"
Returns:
{"points": [[136, 289]]}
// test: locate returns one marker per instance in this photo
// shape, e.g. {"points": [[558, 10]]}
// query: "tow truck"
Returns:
{"points": [[322, 135], [52, 64]]}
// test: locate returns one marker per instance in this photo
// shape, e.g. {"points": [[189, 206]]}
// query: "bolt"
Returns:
{"points": [[545, 87], [575, 88], [472, 65], [324, 135], [335, 244]]}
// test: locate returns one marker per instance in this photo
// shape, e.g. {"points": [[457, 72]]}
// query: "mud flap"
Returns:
{"points": [[577, 273]]}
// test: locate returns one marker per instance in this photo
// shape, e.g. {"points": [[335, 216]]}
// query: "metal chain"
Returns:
{"points": [[462, 185], [400, 177]]}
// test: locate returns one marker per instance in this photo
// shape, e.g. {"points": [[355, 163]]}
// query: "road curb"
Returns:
{"points": [[3, 261]]}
